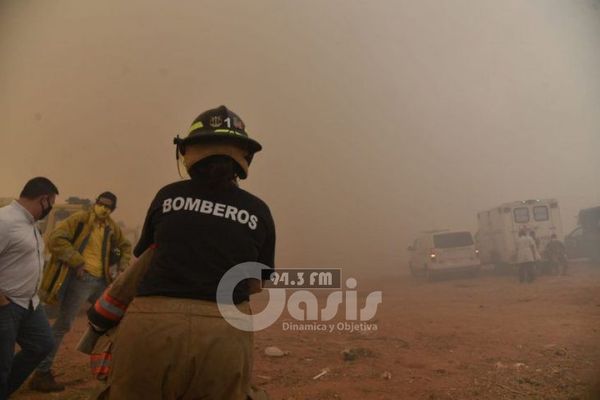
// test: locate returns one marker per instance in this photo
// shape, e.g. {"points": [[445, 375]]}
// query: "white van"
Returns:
{"points": [[438, 251], [499, 228]]}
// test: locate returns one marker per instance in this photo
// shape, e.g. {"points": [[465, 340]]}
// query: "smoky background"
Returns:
{"points": [[378, 119]]}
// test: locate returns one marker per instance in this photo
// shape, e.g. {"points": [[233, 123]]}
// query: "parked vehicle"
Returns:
{"points": [[574, 243], [584, 241], [499, 228], [436, 251]]}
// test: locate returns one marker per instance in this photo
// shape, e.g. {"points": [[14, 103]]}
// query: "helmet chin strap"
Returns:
{"points": [[178, 148], [177, 162]]}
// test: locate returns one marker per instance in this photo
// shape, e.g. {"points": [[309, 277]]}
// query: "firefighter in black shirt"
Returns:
{"points": [[173, 342]]}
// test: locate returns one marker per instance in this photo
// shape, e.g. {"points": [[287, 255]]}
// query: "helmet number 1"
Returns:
{"points": [[228, 122]]}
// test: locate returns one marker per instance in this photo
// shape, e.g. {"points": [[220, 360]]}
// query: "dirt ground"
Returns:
{"points": [[487, 337]]}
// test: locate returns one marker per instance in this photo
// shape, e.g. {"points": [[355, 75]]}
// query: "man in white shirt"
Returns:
{"points": [[22, 319], [526, 257]]}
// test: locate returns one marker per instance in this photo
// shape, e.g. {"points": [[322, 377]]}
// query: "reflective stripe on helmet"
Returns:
{"points": [[195, 126], [231, 131]]}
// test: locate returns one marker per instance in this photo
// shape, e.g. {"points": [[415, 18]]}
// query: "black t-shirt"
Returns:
{"points": [[199, 234]]}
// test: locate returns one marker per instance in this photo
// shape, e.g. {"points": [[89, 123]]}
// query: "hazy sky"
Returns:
{"points": [[379, 119]]}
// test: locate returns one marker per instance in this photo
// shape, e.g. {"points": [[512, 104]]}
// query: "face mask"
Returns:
{"points": [[45, 210], [101, 212]]}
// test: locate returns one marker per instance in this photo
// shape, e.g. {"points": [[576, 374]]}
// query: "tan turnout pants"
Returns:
{"points": [[168, 348]]}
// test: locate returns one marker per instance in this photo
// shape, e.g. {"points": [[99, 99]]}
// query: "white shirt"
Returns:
{"points": [[21, 255], [524, 249]]}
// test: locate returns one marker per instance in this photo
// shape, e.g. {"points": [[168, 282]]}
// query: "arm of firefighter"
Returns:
{"points": [[123, 244], [60, 242], [106, 313], [125, 286], [108, 310], [266, 256]]}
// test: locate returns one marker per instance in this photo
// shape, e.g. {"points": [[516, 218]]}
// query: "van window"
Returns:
{"points": [[454, 239], [521, 215], [540, 213]]}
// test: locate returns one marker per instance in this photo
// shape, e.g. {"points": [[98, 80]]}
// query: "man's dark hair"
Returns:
{"points": [[110, 196], [38, 186]]}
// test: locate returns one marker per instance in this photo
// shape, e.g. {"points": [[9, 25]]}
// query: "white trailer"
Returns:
{"points": [[499, 228]]}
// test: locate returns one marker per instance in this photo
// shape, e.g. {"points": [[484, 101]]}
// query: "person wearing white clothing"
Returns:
{"points": [[22, 319], [526, 257]]}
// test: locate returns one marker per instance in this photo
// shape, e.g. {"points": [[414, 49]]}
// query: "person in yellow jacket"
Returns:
{"points": [[88, 242]]}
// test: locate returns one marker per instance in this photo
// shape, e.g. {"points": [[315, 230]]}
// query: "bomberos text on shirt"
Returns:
{"points": [[208, 207]]}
